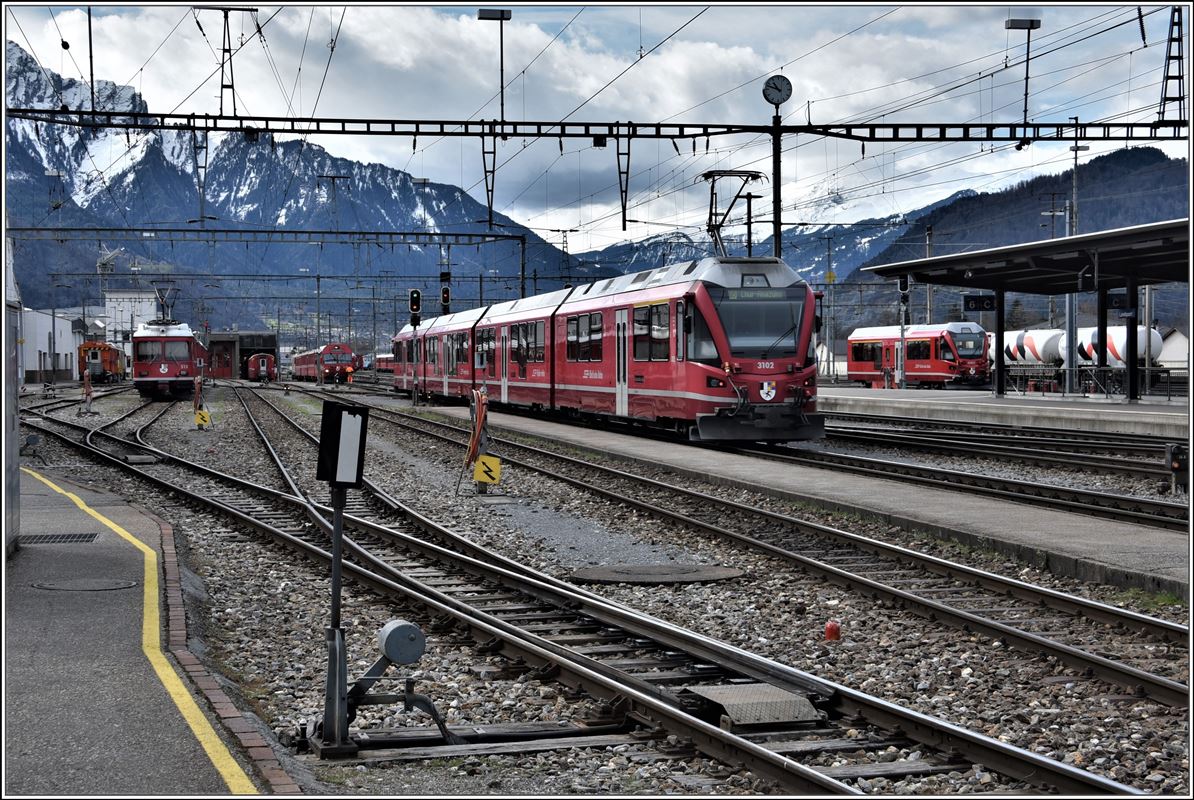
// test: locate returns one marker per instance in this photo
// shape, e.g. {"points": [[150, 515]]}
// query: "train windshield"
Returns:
{"points": [[337, 358], [149, 351], [970, 345], [761, 322], [177, 351]]}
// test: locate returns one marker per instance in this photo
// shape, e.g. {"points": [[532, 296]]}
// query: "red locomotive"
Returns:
{"points": [[104, 362], [167, 357], [262, 368], [950, 353], [328, 364], [384, 363], [717, 349]]}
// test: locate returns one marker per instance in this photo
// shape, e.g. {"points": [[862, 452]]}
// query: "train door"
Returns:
{"points": [[621, 368], [889, 364], [504, 349], [447, 358]]}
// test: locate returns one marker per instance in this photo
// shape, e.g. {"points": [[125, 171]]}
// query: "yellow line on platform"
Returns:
{"points": [[151, 644]]}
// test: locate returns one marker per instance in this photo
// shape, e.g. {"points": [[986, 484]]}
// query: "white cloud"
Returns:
{"points": [[411, 62]]}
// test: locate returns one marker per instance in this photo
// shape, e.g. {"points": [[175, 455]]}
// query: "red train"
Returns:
{"points": [[103, 361], [262, 368], [950, 353], [167, 357], [717, 349], [328, 364], [384, 363]]}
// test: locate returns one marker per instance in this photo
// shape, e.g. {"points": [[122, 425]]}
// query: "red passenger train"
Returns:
{"points": [[937, 355], [262, 368], [329, 363], [717, 349], [167, 357]]}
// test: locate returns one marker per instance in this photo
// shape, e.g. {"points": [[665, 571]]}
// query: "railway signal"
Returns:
{"points": [[414, 302], [1178, 456], [445, 298]]}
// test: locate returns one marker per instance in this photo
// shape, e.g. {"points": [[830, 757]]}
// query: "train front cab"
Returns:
{"points": [[751, 361]]}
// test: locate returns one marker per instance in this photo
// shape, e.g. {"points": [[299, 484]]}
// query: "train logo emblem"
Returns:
{"points": [[162, 369], [767, 390]]}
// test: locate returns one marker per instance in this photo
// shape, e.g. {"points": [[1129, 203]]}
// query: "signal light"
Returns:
{"points": [[414, 319], [1178, 456], [445, 295], [415, 301]]}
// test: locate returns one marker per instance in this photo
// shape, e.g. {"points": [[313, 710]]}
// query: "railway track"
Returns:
{"points": [[1031, 618], [470, 591]]}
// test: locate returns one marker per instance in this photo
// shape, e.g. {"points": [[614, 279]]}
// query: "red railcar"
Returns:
{"points": [[328, 364], [952, 353], [384, 363], [167, 358], [103, 361], [719, 349], [262, 368]]}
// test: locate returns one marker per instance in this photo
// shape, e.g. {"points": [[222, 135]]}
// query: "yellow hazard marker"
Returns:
{"points": [[202, 418], [151, 644], [488, 469]]}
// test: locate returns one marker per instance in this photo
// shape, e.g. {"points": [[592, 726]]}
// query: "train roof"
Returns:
{"points": [[163, 327], [892, 331], [728, 272]]}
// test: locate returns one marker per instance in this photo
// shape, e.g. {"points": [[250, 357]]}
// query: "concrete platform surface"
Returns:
{"points": [[1088, 548], [87, 711]]}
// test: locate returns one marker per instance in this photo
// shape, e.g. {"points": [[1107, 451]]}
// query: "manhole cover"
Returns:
{"points": [[85, 585], [655, 573]]}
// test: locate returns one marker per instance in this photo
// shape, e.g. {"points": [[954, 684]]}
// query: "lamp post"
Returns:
{"points": [[501, 15], [1028, 25]]}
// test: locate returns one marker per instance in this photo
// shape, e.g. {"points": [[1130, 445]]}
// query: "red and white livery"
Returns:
{"points": [[262, 368], [328, 364], [718, 349], [936, 355], [167, 357]]}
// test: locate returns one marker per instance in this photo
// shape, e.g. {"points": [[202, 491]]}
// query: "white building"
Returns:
{"points": [[45, 358], [123, 311]]}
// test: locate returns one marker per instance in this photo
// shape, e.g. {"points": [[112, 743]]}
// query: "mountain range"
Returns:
{"points": [[61, 176]]}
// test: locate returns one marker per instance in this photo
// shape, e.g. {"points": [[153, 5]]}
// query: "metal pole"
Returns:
{"points": [[1071, 327], [929, 286], [776, 227], [335, 708], [502, 64], [522, 267]]}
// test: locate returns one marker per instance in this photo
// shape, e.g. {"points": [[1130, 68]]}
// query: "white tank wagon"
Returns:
{"points": [[1117, 345], [1033, 347]]}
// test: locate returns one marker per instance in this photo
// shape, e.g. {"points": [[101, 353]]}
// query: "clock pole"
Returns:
{"points": [[776, 227]]}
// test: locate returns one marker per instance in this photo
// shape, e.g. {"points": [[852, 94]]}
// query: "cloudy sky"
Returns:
{"points": [[693, 64]]}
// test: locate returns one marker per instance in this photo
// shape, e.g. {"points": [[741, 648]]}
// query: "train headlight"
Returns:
{"points": [[714, 383]]}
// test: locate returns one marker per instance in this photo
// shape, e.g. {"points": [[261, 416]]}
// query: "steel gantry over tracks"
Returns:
{"points": [[623, 133]]}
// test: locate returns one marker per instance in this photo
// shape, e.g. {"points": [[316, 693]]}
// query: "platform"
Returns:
{"points": [[1074, 545], [1151, 416], [93, 704]]}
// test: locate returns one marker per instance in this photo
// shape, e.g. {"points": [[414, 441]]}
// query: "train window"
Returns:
{"points": [[679, 330], [642, 332], [148, 351], [754, 281], [573, 349], [595, 334], [970, 345], [539, 342], [947, 352], [761, 322], [661, 332], [582, 337], [700, 344], [919, 350]]}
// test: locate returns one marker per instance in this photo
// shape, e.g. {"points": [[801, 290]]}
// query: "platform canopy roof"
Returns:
{"points": [[1155, 253]]}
